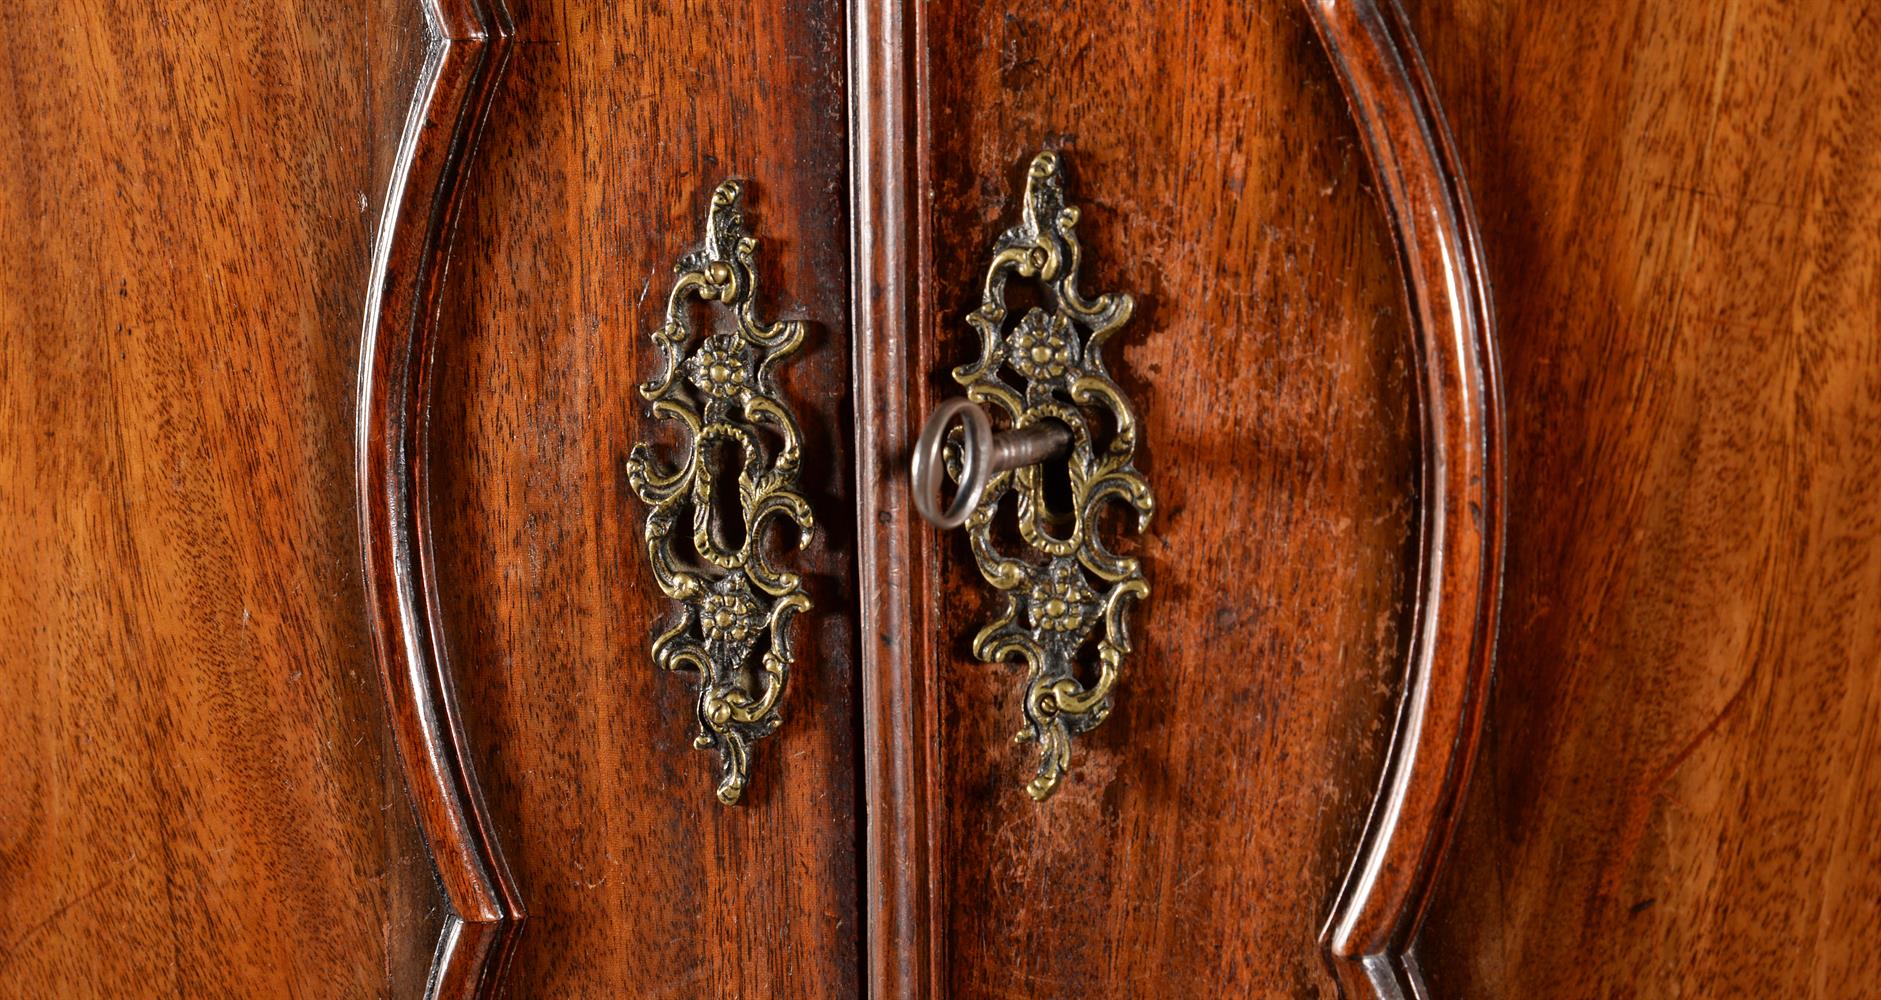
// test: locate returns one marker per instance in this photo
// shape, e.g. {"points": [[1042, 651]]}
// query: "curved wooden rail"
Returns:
{"points": [[466, 45], [1367, 937]]}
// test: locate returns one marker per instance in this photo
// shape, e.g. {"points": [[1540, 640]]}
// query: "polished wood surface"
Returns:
{"points": [[195, 795], [1201, 836], [897, 553], [324, 605], [1682, 212], [613, 126]]}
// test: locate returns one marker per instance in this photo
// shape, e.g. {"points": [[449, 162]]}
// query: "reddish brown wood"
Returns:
{"points": [[896, 553], [1452, 643], [199, 790], [1678, 793], [613, 126], [463, 56], [196, 794], [1200, 839]]}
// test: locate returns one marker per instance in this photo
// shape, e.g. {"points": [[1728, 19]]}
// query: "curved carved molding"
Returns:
{"points": [[466, 46], [1368, 935]]}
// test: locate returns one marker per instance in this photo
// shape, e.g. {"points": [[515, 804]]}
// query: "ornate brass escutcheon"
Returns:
{"points": [[1044, 376], [735, 607]]}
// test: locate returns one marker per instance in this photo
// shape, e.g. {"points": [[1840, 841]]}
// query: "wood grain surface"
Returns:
{"points": [[1682, 208], [199, 793], [615, 123], [1200, 838], [194, 799]]}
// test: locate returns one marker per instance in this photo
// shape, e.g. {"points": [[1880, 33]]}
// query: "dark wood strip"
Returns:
{"points": [[464, 55], [896, 553]]}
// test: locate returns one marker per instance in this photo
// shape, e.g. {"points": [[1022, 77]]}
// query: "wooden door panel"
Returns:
{"points": [[194, 794], [1677, 791], [1202, 836], [610, 132]]}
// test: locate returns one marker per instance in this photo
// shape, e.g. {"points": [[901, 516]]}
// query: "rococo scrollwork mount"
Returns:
{"points": [[735, 607], [1070, 584]]}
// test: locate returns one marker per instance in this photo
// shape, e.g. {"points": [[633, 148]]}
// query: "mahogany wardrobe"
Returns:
{"points": [[940, 498]]}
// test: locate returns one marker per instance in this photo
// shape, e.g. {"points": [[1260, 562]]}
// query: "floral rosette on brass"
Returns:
{"points": [[1048, 366], [735, 608]]}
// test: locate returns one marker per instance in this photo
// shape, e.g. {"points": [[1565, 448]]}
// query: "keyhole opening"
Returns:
{"points": [[724, 461]]}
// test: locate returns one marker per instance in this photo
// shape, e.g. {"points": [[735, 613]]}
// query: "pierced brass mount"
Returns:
{"points": [[735, 607], [1045, 376]]}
